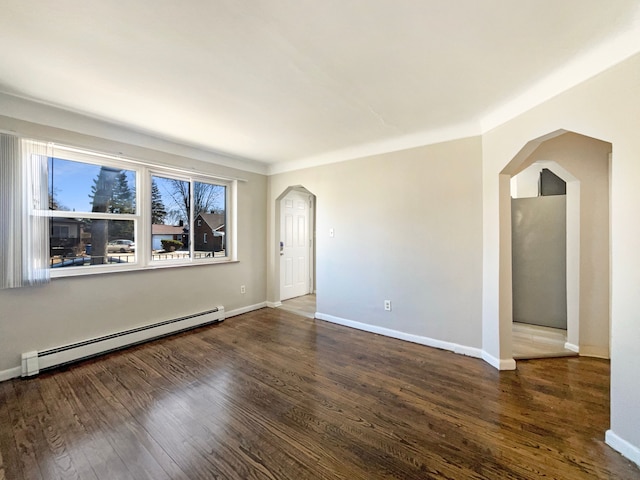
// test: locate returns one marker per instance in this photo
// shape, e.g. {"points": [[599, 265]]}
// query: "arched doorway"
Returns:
{"points": [[295, 238], [584, 162]]}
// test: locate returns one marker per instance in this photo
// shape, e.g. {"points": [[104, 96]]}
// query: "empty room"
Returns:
{"points": [[262, 239]]}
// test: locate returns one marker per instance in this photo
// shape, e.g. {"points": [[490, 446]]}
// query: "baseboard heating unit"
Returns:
{"points": [[36, 361]]}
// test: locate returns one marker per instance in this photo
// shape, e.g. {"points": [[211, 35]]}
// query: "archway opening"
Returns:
{"points": [[584, 163]]}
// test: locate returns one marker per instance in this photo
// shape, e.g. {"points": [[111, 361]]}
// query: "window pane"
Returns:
{"points": [[210, 220], [79, 242], [169, 218], [84, 187]]}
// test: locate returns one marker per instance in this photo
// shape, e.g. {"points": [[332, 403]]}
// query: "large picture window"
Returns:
{"points": [[112, 214]]}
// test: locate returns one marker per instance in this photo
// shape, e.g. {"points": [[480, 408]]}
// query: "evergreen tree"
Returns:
{"points": [[101, 194], [119, 198], [158, 210], [122, 201], [122, 198]]}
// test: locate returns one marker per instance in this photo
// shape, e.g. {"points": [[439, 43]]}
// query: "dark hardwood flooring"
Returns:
{"points": [[271, 395]]}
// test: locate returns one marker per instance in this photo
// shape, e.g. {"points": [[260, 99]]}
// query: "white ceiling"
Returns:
{"points": [[302, 82]]}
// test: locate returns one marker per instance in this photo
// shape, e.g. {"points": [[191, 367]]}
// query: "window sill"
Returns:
{"points": [[100, 270]]}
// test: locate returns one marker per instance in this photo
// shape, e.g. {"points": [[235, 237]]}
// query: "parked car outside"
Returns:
{"points": [[122, 246]]}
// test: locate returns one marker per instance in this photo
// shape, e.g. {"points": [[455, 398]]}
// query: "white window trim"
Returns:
{"points": [[142, 218]]}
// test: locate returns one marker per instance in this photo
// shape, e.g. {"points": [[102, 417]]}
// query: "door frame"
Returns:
{"points": [[312, 237]]}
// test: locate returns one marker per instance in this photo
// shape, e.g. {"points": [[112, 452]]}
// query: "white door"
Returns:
{"points": [[294, 245]]}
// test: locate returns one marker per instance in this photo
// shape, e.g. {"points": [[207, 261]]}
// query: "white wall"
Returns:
{"points": [[73, 309], [526, 183], [605, 107], [407, 228]]}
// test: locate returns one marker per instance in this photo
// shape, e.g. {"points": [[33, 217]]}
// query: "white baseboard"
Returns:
{"points": [[499, 363], [274, 304], [10, 373], [247, 309], [572, 347], [622, 446], [429, 342]]}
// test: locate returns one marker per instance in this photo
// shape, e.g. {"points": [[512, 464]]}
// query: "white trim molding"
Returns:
{"points": [[572, 347], [274, 304], [387, 332], [10, 373], [623, 447], [247, 309], [499, 363]]}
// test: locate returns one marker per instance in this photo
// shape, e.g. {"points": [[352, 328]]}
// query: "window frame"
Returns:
{"points": [[98, 160], [142, 217]]}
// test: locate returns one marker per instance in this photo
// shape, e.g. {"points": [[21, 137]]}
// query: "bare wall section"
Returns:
{"points": [[408, 228]]}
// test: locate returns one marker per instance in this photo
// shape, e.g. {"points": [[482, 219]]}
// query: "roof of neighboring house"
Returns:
{"points": [[214, 220], [166, 230]]}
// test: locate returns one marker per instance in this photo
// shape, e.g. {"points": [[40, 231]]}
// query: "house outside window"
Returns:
{"points": [[211, 229]]}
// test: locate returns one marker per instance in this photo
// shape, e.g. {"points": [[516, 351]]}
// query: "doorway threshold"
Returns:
{"points": [[534, 341], [304, 306]]}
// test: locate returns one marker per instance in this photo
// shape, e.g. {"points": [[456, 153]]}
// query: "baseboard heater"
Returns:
{"points": [[36, 361]]}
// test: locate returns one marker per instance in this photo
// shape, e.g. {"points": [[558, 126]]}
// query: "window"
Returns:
{"points": [[170, 214], [92, 207], [179, 232], [59, 231], [111, 214]]}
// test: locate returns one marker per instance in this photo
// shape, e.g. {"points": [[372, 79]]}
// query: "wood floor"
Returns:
{"points": [[272, 395]]}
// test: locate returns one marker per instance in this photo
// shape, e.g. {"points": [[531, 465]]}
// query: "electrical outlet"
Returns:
{"points": [[387, 305], [243, 289], [331, 233]]}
